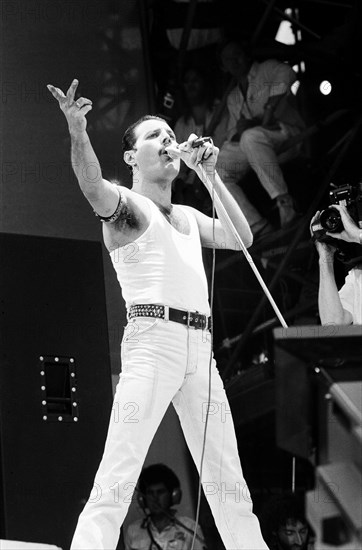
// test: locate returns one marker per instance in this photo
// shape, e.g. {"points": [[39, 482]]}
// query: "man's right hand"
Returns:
{"points": [[74, 111], [325, 250]]}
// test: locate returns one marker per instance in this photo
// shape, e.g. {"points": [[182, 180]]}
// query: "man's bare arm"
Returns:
{"points": [[330, 307], [102, 195], [218, 234]]}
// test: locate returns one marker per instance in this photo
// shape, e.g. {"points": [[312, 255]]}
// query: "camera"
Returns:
{"points": [[330, 221]]}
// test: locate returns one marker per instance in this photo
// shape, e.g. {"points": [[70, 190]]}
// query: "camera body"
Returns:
{"points": [[330, 221]]}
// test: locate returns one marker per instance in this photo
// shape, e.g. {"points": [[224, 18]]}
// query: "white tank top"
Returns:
{"points": [[163, 266]]}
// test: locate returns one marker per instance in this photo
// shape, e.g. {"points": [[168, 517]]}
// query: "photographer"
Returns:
{"points": [[343, 307]]}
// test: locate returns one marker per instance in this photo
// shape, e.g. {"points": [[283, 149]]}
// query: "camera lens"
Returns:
{"points": [[330, 220]]}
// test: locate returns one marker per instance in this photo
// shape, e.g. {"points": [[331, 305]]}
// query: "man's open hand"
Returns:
{"points": [[74, 110]]}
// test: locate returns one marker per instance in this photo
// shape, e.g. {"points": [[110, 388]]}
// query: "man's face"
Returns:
{"points": [[152, 136], [234, 60], [158, 498], [292, 536]]}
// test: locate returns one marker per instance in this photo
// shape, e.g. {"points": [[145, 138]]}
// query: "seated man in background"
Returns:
{"points": [[284, 525], [161, 528], [344, 306], [262, 119]]}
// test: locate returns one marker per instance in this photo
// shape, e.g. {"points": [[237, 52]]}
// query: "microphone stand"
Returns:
{"points": [[216, 200]]}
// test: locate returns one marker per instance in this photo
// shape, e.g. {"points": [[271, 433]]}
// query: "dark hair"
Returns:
{"points": [[158, 473], [278, 510]]}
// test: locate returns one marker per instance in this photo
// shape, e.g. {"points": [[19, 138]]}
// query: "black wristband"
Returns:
{"points": [[115, 215]]}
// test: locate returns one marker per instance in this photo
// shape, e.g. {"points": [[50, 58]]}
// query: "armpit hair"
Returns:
{"points": [[126, 218]]}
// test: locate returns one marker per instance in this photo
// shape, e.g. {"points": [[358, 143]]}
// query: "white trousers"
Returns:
{"points": [[257, 150], [163, 362]]}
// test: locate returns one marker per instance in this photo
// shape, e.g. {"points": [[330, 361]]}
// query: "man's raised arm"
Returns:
{"points": [[102, 195]]}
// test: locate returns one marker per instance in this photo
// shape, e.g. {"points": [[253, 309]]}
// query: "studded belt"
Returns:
{"points": [[190, 318]]}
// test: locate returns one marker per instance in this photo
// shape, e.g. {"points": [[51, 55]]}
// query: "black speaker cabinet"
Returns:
{"points": [[55, 383]]}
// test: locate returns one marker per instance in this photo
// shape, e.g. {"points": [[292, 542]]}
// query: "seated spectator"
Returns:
{"points": [[262, 118], [284, 525], [161, 528]]}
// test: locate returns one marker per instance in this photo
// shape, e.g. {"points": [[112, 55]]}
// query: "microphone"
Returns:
{"points": [[198, 142], [174, 149]]}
